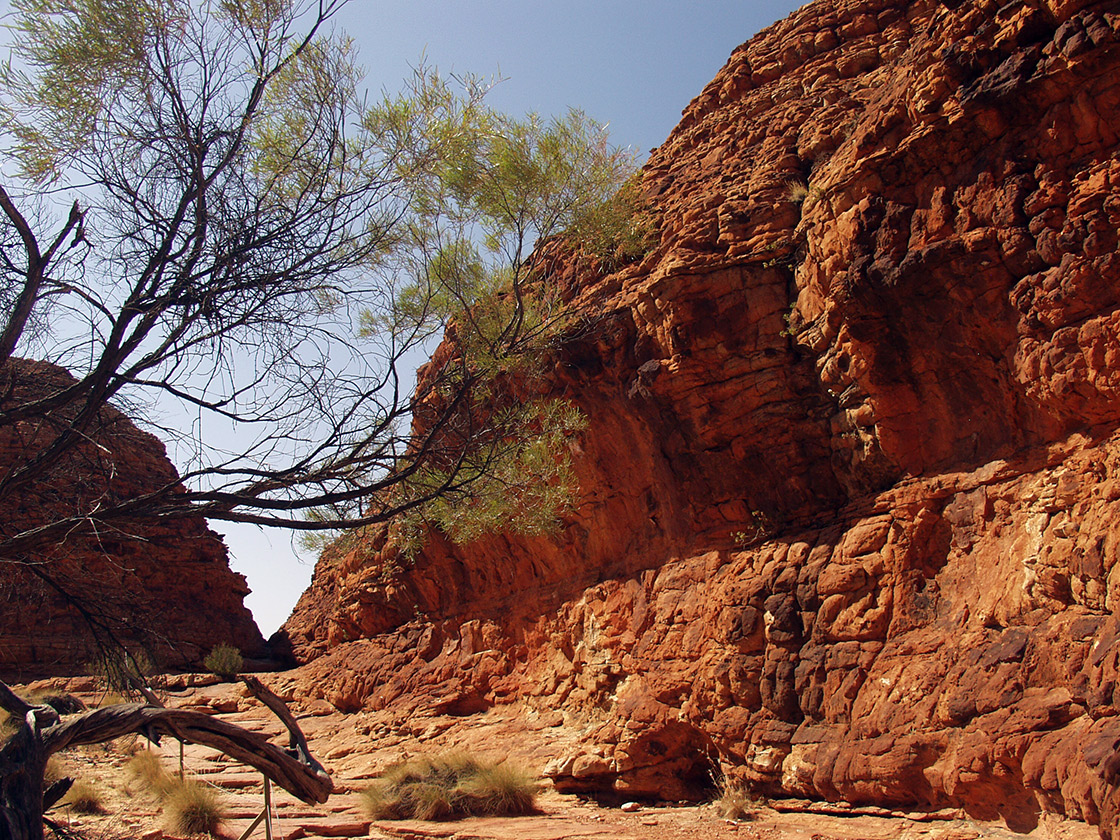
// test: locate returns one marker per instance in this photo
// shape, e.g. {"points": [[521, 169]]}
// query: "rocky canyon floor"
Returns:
{"points": [[356, 747]]}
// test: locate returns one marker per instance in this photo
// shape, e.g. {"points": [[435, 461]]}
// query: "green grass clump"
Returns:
{"points": [[192, 808], [225, 661], [448, 787]]}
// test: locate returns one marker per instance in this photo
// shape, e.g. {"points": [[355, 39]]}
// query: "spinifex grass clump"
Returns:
{"points": [[84, 798], [735, 801], [190, 807], [448, 787], [147, 772], [193, 808]]}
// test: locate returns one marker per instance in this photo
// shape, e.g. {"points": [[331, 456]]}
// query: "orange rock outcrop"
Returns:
{"points": [[850, 507], [164, 589]]}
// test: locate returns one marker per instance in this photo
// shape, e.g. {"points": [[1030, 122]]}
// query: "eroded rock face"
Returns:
{"points": [[850, 515], [162, 588]]}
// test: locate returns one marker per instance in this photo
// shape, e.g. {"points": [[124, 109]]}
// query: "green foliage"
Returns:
{"points": [[91, 53], [619, 230], [236, 201], [485, 187], [520, 482], [448, 787], [225, 661]]}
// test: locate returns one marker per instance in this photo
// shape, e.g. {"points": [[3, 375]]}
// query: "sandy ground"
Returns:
{"points": [[356, 748]]}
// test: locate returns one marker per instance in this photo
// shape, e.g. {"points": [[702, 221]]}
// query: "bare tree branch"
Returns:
{"points": [[24, 755]]}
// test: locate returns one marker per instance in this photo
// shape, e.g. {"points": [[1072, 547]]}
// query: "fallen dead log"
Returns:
{"points": [[44, 732]]}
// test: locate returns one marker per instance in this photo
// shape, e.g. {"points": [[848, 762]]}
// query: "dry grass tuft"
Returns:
{"points": [[736, 802], [448, 787], [84, 798], [147, 771], [796, 191], [193, 808], [190, 807], [54, 771]]}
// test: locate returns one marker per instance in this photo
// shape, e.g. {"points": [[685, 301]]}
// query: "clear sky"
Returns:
{"points": [[634, 65]]}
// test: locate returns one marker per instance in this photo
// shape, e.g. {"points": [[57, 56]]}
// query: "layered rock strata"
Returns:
{"points": [[164, 589], [849, 517]]}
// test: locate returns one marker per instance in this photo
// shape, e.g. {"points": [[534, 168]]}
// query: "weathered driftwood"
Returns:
{"points": [[44, 732]]}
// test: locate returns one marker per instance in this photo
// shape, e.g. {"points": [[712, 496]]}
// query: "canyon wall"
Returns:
{"points": [[849, 513], [164, 588]]}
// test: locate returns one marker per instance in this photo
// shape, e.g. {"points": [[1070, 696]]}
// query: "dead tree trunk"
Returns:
{"points": [[23, 757]]}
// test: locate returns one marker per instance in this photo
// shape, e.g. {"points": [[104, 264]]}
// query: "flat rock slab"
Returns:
{"points": [[507, 828], [342, 827]]}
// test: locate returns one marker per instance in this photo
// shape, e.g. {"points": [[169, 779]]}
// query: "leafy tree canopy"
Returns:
{"points": [[214, 228]]}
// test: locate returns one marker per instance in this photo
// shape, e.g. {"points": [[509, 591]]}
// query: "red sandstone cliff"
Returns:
{"points": [[850, 511], [165, 588]]}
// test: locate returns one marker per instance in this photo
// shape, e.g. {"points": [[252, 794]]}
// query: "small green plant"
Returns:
{"points": [[449, 787], [84, 798], [757, 528], [621, 229], [225, 661], [193, 808]]}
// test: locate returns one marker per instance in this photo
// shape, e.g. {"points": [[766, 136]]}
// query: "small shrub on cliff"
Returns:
{"points": [[225, 661], [796, 191], [449, 787]]}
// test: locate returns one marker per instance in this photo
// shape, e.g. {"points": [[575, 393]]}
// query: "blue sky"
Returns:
{"points": [[633, 65]]}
